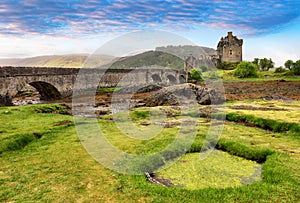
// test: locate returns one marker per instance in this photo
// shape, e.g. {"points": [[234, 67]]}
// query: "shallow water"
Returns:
{"points": [[218, 170]]}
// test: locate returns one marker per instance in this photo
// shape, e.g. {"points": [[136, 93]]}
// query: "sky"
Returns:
{"points": [[270, 28]]}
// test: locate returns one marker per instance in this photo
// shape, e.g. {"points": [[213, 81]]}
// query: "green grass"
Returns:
{"points": [[16, 142], [27, 93], [29, 119], [227, 76], [150, 58], [54, 167], [103, 90], [284, 111], [218, 170], [275, 116]]}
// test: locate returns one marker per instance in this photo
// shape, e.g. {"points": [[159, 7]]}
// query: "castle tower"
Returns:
{"points": [[230, 49]]}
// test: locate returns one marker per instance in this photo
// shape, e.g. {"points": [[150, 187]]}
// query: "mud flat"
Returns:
{"points": [[255, 90]]}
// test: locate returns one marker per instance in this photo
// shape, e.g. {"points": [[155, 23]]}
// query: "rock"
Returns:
{"points": [[179, 94], [139, 88], [6, 100], [100, 102], [102, 112]]}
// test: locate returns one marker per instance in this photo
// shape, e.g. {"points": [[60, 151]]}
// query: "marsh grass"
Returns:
{"points": [[218, 170], [56, 167]]}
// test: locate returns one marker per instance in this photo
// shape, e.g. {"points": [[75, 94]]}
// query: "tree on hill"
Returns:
{"points": [[289, 64], [256, 61], [265, 64], [296, 68]]}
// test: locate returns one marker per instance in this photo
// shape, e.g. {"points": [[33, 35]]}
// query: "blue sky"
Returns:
{"points": [[36, 27]]}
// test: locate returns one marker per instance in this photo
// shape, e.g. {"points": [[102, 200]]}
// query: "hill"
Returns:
{"points": [[63, 61], [77, 61], [150, 58], [169, 56], [186, 50]]}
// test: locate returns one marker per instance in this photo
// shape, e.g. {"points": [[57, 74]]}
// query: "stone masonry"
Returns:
{"points": [[56, 83]]}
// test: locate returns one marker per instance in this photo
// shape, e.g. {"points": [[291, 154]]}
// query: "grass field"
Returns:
{"points": [[276, 110], [263, 76], [43, 160]]}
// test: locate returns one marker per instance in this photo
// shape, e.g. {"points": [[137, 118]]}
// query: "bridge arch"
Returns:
{"points": [[156, 78], [47, 91], [182, 79], [172, 79]]}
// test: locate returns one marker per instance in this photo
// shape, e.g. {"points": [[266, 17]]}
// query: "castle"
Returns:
{"points": [[229, 49]]}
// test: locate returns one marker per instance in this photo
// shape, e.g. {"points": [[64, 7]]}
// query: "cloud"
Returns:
{"points": [[86, 17]]}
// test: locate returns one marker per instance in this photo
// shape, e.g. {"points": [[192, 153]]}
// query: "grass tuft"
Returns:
{"points": [[265, 123], [16, 142], [53, 109], [252, 153]]}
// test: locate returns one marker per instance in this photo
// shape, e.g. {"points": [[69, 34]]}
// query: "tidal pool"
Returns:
{"points": [[218, 170]]}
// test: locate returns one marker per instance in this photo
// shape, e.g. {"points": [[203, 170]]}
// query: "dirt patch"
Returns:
{"points": [[68, 123], [256, 108], [255, 90]]}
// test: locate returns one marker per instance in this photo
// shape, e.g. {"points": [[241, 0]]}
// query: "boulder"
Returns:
{"points": [[179, 94]]}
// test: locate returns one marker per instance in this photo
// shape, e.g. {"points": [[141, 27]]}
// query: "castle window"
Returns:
{"points": [[230, 52]]}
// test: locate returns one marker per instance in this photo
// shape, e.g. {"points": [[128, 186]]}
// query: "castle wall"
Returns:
{"points": [[232, 54]]}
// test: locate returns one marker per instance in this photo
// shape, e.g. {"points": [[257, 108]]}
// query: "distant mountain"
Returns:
{"points": [[169, 56], [186, 50], [150, 58], [62, 61]]}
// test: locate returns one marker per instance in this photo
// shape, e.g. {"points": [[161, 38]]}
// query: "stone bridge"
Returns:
{"points": [[57, 83]]}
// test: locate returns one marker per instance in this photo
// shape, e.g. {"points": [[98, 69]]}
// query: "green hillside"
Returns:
{"points": [[150, 58], [186, 50]]}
